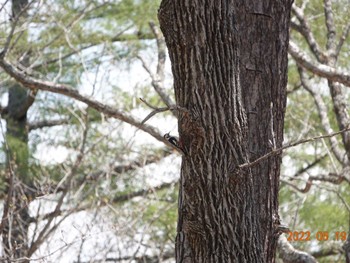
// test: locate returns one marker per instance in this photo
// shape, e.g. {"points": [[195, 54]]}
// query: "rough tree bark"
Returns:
{"points": [[229, 61]]}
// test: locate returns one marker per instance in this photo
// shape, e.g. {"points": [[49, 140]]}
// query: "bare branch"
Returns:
{"points": [[13, 27], [119, 37], [154, 112], [291, 255], [338, 95], [42, 258], [141, 259], [342, 39], [142, 192], [322, 112], [330, 178], [309, 166], [119, 169], [172, 108], [158, 78], [304, 190], [115, 200], [305, 31], [334, 249], [32, 83], [331, 32], [156, 83], [289, 145], [340, 104], [66, 181], [46, 123], [161, 51], [3, 5], [319, 69]]}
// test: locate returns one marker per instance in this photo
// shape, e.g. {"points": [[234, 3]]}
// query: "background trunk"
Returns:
{"points": [[19, 186], [229, 61]]}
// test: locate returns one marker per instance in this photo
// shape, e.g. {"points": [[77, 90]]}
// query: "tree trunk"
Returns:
{"points": [[229, 61], [20, 185]]}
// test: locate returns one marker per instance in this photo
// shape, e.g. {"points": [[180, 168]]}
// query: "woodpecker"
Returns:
{"points": [[173, 140]]}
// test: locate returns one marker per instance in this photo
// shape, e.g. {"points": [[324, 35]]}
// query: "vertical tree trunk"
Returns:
{"points": [[229, 61], [15, 235]]}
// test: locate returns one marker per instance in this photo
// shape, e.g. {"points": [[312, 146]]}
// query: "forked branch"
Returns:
{"points": [[319, 69], [162, 109]]}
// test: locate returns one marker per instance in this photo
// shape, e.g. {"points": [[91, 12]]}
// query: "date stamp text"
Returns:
{"points": [[320, 236]]}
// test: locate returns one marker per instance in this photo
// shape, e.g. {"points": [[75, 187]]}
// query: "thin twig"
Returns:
{"points": [[13, 27], [322, 112], [309, 166], [154, 112], [290, 145], [304, 190], [158, 77], [3, 5], [343, 200], [342, 39], [158, 110], [68, 178], [332, 178], [304, 29]]}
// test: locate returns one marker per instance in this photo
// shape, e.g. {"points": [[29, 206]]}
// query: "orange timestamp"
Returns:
{"points": [[320, 236]]}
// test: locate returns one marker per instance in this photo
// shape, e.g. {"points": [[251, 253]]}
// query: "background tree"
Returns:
{"points": [[19, 183]]}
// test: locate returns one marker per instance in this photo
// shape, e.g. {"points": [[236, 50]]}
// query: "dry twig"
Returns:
{"points": [[290, 145]]}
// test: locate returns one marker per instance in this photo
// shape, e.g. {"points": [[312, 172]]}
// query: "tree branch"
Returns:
{"points": [[309, 166], [330, 178], [143, 192], [115, 200], [289, 145], [119, 169], [13, 27], [322, 112], [47, 229], [291, 255], [156, 83], [317, 68], [334, 249], [301, 190], [141, 259], [46, 123], [340, 105], [161, 51], [158, 78], [331, 32], [342, 39], [32, 83], [118, 38], [154, 112], [305, 31]]}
